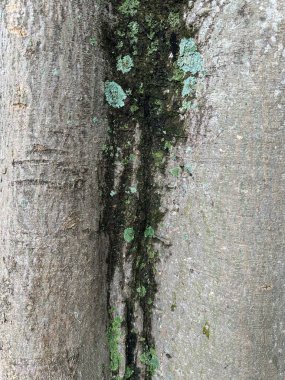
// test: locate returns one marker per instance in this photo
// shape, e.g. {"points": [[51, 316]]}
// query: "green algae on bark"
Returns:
{"points": [[156, 81]]}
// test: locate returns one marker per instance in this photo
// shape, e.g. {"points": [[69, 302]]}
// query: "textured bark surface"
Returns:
{"points": [[220, 307], [52, 298]]}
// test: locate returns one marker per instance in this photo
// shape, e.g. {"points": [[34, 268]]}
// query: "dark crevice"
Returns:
{"points": [[154, 105]]}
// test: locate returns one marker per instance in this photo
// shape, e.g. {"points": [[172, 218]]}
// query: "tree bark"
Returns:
{"points": [[220, 305], [52, 276], [216, 258]]}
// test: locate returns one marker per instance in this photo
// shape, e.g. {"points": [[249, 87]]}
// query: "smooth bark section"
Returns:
{"points": [[52, 276], [220, 305]]}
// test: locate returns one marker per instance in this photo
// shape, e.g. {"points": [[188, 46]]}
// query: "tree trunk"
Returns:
{"points": [[190, 221], [53, 302]]}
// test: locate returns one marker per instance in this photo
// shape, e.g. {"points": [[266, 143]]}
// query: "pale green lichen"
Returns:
{"points": [[188, 168], [133, 189], [133, 31], [153, 47], [114, 94], [189, 59], [175, 172], [187, 105], [125, 64], [189, 86], [129, 234], [129, 7]]}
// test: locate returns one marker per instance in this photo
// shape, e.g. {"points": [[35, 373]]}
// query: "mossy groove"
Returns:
{"points": [[148, 33]]}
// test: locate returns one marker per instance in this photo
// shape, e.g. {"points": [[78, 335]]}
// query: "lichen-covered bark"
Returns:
{"points": [[219, 311], [216, 258], [52, 299]]}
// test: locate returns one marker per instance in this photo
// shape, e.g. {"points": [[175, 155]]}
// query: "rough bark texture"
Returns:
{"points": [[219, 310], [52, 275], [220, 306]]}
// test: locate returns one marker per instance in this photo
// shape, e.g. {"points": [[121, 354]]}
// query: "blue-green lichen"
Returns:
{"points": [[129, 234], [189, 60], [189, 86], [114, 94], [125, 64]]}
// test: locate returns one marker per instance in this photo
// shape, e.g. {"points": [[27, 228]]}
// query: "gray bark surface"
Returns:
{"points": [[52, 301], [219, 311]]}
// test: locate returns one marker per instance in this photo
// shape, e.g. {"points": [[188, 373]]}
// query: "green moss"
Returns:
{"points": [[174, 19], [206, 330], [149, 232], [150, 359], [113, 337], [134, 108], [173, 307], [159, 157], [177, 75], [128, 373], [114, 94], [148, 32], [129, 7], [167, 145], [152, 254], [125, 64], [141, 290]]}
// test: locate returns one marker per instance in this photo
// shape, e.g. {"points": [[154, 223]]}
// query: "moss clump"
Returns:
{"points": [[150, 360], [113, 336], [114, 94], [206, 330], [149, 232], [125, 64], [141, 290], [129, 7], [128, 373], [174, 19]]}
